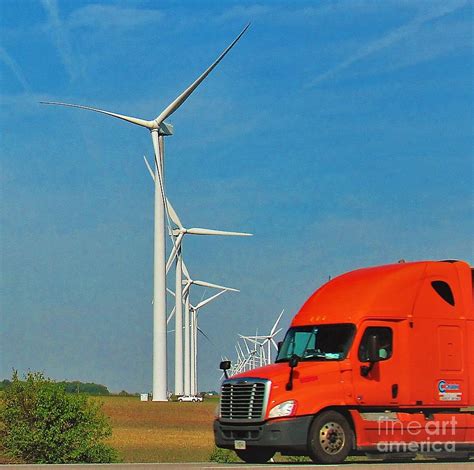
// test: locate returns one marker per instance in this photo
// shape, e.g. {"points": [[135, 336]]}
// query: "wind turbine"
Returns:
{"points": [[266, 340], [179, 234], [159, 129], [188, 327], [176, 254], [194, 310]]}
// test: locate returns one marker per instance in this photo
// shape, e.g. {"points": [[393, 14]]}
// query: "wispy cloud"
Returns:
{"points": [[248, 12], [99, 17], [430, 43], [15, 68], [60, 35], [391, 38]]}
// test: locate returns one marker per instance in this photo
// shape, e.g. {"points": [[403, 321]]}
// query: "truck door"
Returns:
{"points": [[377, 384]]}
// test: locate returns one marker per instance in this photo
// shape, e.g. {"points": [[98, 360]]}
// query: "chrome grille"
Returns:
{"points": [[244, 400]]}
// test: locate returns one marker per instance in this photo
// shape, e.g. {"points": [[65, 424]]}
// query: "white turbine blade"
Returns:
{"points": [[173, 215], [276, 323], [170, 260], [214, 286], [187, 285], [133, 120], [274, 334], [208, 231], [175, 249], [186, 272], [244, 337], [171, 108], [171, 315], [149, 168], [238, 354], [252, 340], [210, 299], [274, 344], [205, 336], [259, 337]]}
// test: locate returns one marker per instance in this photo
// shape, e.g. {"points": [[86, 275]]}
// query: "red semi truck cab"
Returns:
{"points": [[378, 360]]}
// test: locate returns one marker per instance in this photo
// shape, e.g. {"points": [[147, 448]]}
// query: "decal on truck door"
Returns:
{"points": [[449, 391]]}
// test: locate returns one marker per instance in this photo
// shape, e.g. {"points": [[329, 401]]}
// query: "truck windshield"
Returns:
{"points": [[317, 343]]}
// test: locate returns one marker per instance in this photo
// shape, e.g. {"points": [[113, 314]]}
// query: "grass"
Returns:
{"points": [[160, 432], [164, 432]]}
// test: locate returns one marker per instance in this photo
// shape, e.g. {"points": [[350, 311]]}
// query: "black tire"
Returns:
{"points": [[330, 438], [255, 455]]}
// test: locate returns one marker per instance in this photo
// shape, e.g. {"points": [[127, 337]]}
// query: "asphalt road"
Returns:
{"points": [[418, 465]]}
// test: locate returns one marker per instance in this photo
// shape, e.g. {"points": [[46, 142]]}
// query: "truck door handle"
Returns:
{"points": [[394, 390]]}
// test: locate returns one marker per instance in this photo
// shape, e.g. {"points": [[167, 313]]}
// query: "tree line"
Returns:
{"points": [[88, 388]]}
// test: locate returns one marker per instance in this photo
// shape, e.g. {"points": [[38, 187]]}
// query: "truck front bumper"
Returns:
{"points": [[289, 435]]}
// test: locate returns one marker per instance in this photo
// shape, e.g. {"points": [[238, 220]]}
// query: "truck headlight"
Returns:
{"points": [[287, 408]]}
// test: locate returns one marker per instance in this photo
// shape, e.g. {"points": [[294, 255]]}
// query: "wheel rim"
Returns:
{"points": [[332, 438]]}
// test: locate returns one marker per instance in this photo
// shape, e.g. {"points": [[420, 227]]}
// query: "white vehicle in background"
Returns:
{"points": [[193, 398]]}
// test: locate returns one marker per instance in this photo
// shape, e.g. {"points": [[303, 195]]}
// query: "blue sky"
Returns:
{"points": [[339, 132]]}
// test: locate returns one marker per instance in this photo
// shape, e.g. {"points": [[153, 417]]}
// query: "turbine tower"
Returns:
{"points": [[159, 129]]}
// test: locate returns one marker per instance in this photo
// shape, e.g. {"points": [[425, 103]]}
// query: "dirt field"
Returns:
{"points": [[161, 432]]}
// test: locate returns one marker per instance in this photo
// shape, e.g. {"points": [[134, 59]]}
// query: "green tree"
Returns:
{"points": [[4, 384], [41, 423], [87, 388]]}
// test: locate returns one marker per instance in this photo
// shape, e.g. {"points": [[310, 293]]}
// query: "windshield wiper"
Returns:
{"points": [[316, 356]]}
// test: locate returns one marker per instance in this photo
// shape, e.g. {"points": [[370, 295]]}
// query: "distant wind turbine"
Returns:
{"points": [[194, 310], [266, 341], [189, 324]]}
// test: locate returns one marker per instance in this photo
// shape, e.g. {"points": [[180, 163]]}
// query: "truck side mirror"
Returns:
{"points": [[373, 355], [373, 349], [293, 362], [225, 366], [279, 344]]}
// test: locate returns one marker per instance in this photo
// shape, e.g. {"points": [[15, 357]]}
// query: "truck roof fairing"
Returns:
{"points": [[389, 291]]}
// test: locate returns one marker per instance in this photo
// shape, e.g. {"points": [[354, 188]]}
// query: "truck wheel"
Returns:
{"points": [[330, 438], [259, 455]]}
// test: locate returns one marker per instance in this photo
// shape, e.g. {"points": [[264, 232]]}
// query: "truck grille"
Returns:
{"points": [[244, 400]]}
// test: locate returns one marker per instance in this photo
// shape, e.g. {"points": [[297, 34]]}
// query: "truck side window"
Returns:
{"points": [[384, 335]]}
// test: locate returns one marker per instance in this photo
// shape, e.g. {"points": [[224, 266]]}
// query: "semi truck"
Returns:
{"points": [[377, 361]]}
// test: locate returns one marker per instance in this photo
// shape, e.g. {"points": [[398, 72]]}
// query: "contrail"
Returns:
{"points": [[391, 38], [61, 37], [15, 68]]}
